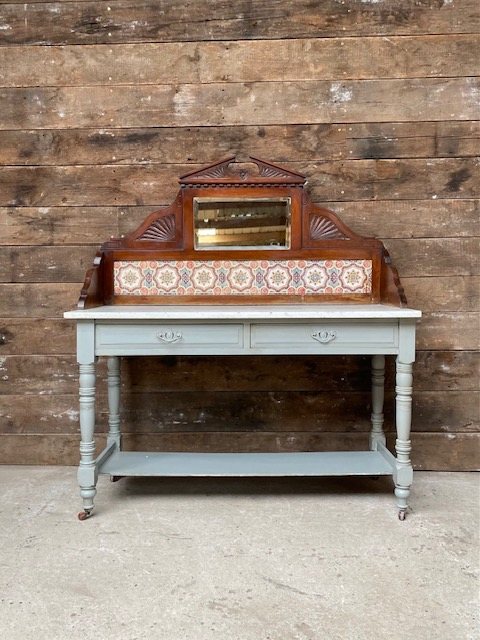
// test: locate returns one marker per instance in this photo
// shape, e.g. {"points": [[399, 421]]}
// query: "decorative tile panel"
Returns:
{"points": [[241, 277]]}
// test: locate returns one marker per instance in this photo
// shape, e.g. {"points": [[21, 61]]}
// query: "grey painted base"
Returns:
{"points": [[319, 329], [337, 463]]}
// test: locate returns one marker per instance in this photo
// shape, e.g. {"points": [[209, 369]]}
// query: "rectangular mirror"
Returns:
{"points": [[242, 223]]}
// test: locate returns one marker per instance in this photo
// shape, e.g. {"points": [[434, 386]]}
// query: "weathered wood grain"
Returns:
{"points": [[442, 412], [201, 145], [157, 184], [55, 374], [37, 300], [445, 452], [190, 411], [187, 411], [436, 256], [433, 370], [60, 225], [285, 143], [234, 103], [432, 257], [68, 225], [431, 451], [242, 61], [412, 140], [460, 293], [394, 179], [162, 21], [445, 331], [448, 218], [26, 336], [44, 264]]}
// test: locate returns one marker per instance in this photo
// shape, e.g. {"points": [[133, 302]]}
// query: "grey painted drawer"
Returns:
{"points": [[173, 337], [325, 336]]}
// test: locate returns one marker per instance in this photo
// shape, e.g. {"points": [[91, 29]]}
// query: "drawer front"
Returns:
{"points": [[333, 337], [148, 338]]}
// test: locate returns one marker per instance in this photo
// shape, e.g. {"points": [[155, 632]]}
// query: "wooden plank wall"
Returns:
{"points": [[103, 104]]}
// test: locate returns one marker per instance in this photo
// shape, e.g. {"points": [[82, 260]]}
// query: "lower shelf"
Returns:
{"points": [[335, 463]]}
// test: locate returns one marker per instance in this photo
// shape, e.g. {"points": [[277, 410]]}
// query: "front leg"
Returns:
{"points": [[87, 473], [404, 470]]}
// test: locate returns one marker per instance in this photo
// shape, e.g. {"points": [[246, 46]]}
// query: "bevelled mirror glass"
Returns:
{"points": [[242, 223]]}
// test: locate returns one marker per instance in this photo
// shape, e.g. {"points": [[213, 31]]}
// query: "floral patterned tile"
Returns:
{"points": [[242, 277]]}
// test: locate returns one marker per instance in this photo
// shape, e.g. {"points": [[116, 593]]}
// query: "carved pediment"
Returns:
{"points": [[228, 172]]}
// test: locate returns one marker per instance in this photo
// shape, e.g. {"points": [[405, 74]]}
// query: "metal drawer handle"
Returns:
{"points": [[324, 336], [170, 336]]}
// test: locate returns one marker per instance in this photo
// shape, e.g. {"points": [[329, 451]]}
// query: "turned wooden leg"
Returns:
{"points": [[378, 392], [113, 378], [87, 475], [404, 471]]}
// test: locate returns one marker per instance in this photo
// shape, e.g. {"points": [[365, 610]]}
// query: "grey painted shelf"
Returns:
{"points": [[335, 463]]}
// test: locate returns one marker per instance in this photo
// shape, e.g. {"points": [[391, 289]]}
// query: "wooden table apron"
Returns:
{"points": [[321, 329]]}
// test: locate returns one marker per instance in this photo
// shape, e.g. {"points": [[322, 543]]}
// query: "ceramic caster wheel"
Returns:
{"points": [[402, 514], [83, 515]]}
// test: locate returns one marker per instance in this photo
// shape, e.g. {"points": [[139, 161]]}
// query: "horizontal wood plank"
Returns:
{"points": [[189, 411], [449, 331], [234, 103], [461, 293], [413, 140], [202, 145], [452, 257], [37, 300], [445, 452], [45, 264], [285, 143], [55, 374], [447, 218], [62, 225], [431, 451], [242, 61], [24, 336], [144, 21], [155, 184], [436, 256]]}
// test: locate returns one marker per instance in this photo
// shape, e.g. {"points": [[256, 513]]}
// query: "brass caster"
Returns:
{"points": [[83, 515], [402, 514]]}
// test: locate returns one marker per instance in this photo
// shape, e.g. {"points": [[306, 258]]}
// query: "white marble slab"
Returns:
{"points": [[242, 312]]}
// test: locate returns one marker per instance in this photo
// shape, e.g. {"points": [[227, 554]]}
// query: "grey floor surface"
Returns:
{"points": [[281, 559]]}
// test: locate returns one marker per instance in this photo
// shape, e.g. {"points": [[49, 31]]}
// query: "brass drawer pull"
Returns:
{"points": [[170, 337], [324, 336]]}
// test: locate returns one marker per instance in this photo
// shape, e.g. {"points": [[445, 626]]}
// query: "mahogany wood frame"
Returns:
{"points": [[168, 234]]}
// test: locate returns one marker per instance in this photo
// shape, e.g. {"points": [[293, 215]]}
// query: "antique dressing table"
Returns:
{"points": [[243, 263]]}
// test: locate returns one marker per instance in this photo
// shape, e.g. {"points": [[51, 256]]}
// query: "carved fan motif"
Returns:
{"points": [[322, 228], [270, 172], [162, 230], [216, 172]]}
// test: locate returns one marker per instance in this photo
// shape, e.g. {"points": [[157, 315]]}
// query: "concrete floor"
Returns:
{"points": [[281, 559]]}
